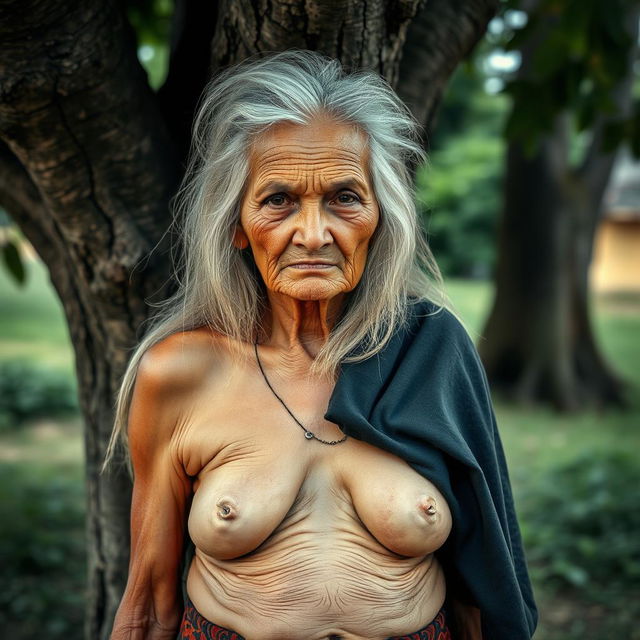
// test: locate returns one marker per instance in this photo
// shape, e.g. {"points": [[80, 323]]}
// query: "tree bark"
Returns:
{"points": [[361, 34], [539, 344], [443, 33], [90, 156], [93, 171]]}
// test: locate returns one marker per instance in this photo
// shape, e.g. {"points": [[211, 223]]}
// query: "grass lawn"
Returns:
{"points": [[32, 324], [538, 441], [539, 436], [41, 463], [42, 496]]}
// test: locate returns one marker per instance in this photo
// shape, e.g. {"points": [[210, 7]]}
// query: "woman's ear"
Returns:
{"points": [[240, 240]]}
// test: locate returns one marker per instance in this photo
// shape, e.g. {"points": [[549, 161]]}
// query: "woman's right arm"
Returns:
{"points": [[151, 607]]}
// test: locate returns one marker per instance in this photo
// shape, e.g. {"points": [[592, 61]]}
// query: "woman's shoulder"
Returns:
{"points": [[168, 374], [178, 360]]}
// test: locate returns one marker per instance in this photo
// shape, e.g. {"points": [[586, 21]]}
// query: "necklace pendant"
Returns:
{"points": [[308, 435]]}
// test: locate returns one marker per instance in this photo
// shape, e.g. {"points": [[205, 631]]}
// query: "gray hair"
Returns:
{"points": [[217, 283]]}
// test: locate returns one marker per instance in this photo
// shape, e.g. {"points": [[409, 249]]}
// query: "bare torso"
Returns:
{"points": [[295, 539]]}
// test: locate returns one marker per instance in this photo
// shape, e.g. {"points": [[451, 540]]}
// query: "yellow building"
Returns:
{"points": [[615, 267]]}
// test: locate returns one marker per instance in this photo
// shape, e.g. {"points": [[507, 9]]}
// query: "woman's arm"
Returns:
{"points": [[151, 607]]}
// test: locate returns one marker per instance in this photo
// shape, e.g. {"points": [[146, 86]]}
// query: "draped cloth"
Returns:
{"points": [[425, 398]]}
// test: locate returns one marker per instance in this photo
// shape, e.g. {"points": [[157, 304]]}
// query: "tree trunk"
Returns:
{"points": [[361, 34], [539, 343], [91, 169], [90, 156], [443, 33]]}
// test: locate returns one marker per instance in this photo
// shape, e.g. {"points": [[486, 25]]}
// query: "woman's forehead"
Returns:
{"points": [[320, 145]]}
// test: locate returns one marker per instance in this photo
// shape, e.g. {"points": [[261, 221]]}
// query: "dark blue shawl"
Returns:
{"points": [[425, 398]]}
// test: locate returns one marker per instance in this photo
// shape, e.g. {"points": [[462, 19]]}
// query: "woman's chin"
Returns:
{"points": [[313, 289]]}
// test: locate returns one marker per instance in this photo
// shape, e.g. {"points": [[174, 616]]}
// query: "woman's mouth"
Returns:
{"points": [[311, 265]]}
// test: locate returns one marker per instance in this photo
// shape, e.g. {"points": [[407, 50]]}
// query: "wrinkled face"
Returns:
{"points": [[309, 210]]}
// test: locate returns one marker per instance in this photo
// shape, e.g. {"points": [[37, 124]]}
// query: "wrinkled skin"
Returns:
{"points": [[294, 539], [308, 214]]}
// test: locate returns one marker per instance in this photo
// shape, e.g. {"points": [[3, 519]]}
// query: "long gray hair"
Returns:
{"points": [[217, 285]]}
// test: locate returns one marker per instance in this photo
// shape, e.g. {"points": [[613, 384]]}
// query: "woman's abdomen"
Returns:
{"points": [[307, 583]]}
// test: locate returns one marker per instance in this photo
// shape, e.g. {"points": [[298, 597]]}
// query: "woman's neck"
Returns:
{"points": [[301, 327]]}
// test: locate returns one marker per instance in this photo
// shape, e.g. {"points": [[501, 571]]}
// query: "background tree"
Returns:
{"points": [[90, 156], [571, 108]]}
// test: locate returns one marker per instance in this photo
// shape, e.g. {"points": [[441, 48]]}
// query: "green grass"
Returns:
{"points": [[538, 436], [42, 544], [538, 441], [32, 323], [42, 495], [471, 300]]}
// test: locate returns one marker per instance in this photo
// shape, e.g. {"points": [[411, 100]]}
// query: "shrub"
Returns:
{"points": [[28, 390], [580, 524], [41, 553]]}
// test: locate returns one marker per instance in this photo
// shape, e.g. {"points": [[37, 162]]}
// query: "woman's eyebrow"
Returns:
{"points": [[272, 186], [348, 183], [275, 186]]}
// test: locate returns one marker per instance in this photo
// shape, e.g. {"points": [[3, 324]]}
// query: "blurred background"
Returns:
{"points": [[574, 462]]}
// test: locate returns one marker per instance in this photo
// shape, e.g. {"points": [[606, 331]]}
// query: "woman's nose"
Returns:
{"points": [[312, 231]]}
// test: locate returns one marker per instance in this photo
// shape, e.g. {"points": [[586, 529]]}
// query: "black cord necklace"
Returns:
{"points": [[309, 435]]}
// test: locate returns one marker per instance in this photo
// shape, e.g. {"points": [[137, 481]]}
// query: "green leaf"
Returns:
{"points": [[13, 262]]}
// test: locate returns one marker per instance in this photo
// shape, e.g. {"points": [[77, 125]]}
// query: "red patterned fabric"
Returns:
{"points": [[195, 627], [437, 629]]}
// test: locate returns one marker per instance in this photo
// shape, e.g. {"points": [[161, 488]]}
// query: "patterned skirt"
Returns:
{"points": [[195, 627]]}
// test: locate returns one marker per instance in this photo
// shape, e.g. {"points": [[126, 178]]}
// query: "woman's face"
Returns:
{"points": [[309, 210]]}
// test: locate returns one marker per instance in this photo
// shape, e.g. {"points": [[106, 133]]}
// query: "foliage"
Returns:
{"points": [[28, 391], [462, 190], [580, 523], [151, 20], [459, 190], [13, 261], [585, 55], [41, 553]]}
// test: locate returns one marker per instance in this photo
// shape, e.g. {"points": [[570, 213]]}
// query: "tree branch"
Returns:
{"points": [[77, 112], [443, 33], [20, 198]]}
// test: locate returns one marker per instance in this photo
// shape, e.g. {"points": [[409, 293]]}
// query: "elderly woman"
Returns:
{"points": [[304, 410]]}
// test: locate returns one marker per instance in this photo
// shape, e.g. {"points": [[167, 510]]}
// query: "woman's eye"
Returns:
{"points": [[277, 200], [347, 198]]}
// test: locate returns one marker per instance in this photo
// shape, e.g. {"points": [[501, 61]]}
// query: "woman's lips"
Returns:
{"points": [[311, 265]]}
